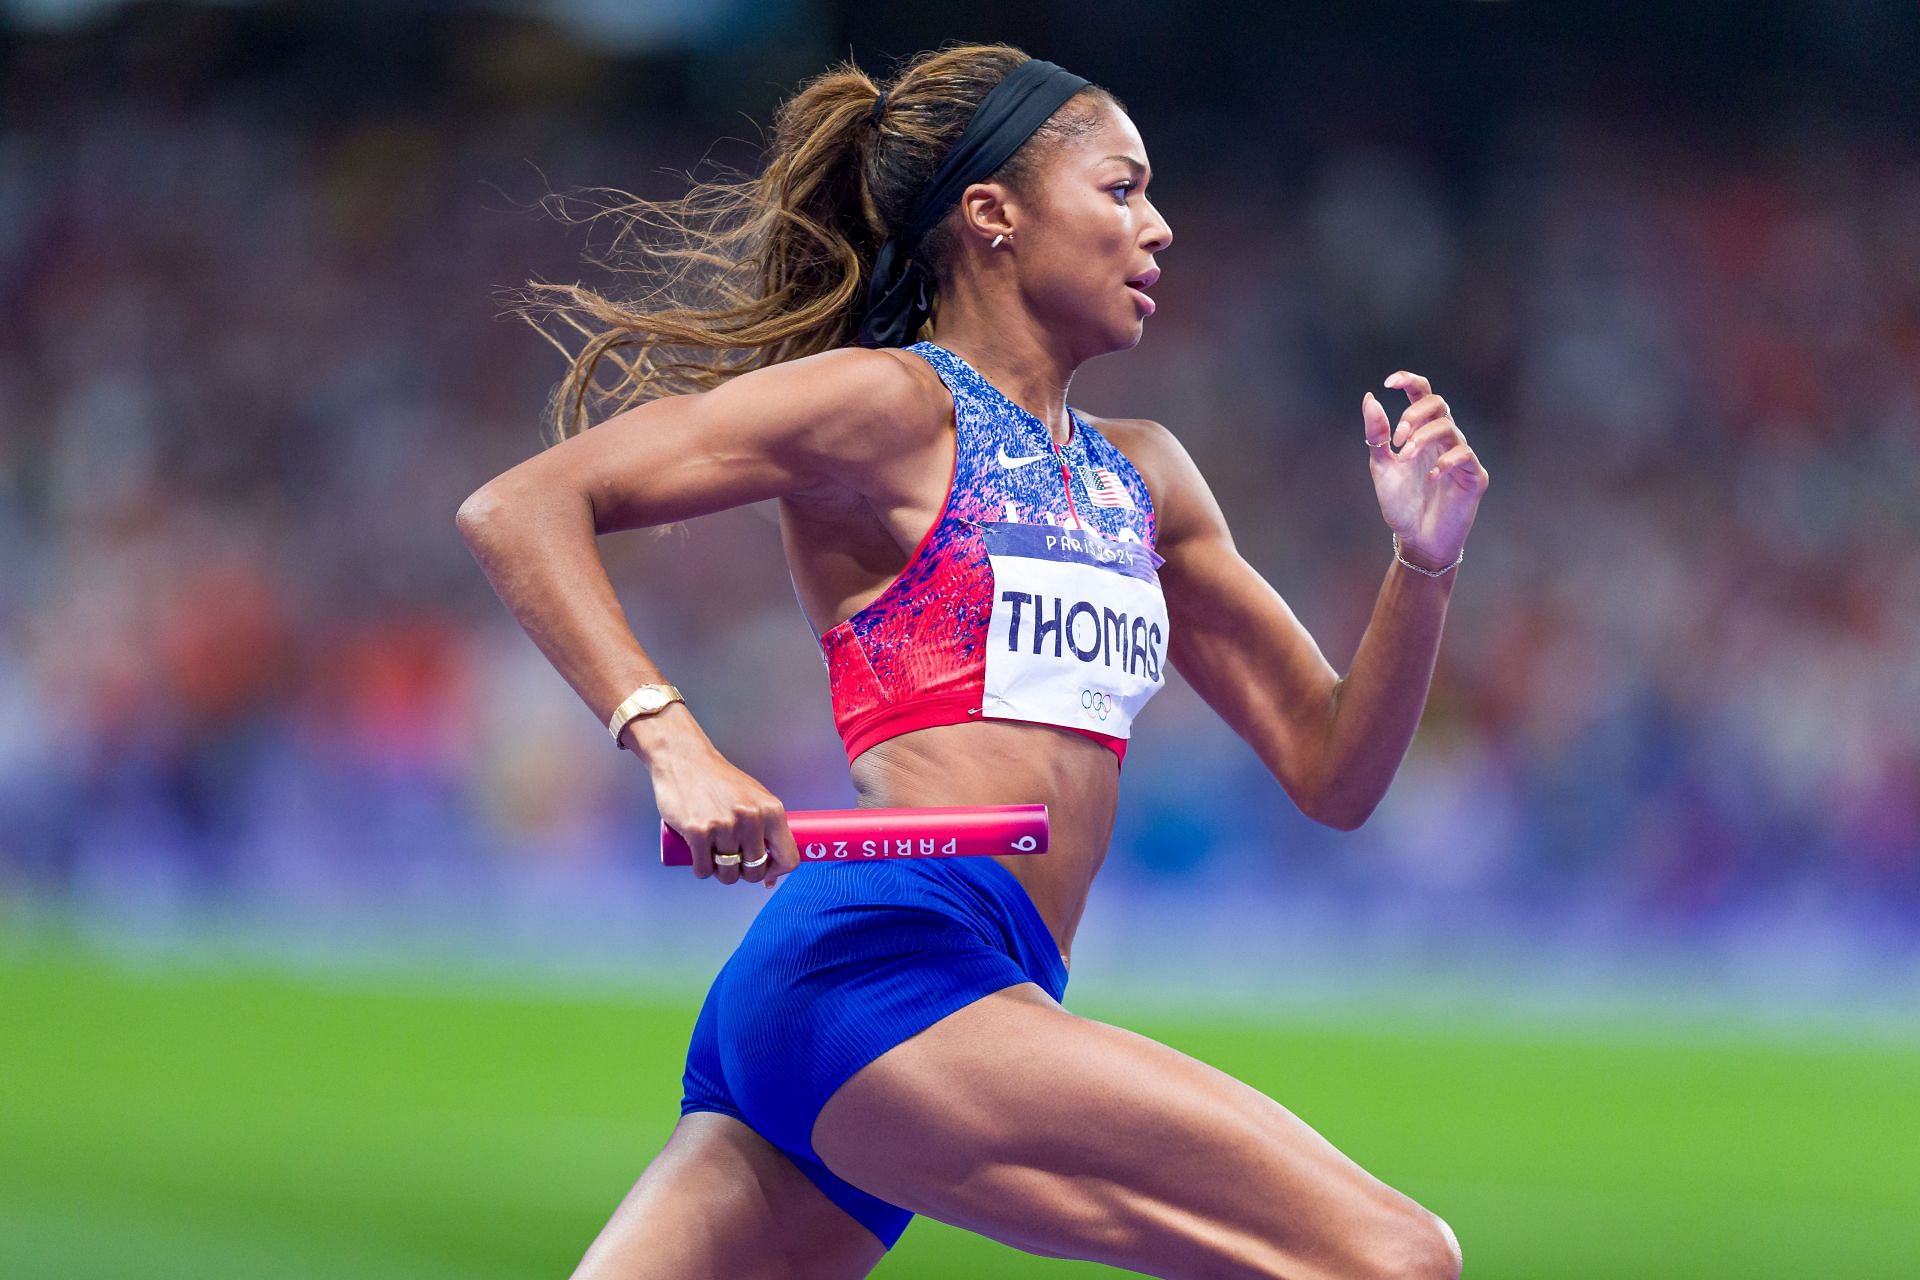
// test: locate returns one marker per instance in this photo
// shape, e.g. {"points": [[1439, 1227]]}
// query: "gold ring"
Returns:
{"points": [[726, 859]]}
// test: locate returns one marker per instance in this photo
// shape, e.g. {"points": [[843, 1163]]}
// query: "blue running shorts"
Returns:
{"points": [[845, 961]]}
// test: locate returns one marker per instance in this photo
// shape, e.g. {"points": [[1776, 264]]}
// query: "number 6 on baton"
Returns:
{"points": [[859, 835]]}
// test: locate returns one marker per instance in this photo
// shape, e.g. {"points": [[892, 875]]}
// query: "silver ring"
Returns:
{"points": [[760, 861]]}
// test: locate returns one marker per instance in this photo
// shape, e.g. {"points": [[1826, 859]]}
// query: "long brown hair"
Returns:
{"points": [[745, 272]]}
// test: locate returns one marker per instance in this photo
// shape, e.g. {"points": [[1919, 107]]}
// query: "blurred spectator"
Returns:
{"points": [[254, 363]]}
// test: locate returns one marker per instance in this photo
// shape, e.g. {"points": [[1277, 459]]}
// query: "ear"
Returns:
{"points": [[987, 210]]}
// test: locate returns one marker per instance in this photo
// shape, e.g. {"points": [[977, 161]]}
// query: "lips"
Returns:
{"points": [[1138, 286]]}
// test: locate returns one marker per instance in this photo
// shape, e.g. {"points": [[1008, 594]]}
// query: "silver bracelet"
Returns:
{"points": [[1431, 573]]}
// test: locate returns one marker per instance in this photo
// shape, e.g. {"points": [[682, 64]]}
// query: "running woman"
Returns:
{"points": [[892, 313]]}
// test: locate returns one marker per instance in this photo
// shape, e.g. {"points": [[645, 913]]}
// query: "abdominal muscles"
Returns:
{"points": [[987, 762]]}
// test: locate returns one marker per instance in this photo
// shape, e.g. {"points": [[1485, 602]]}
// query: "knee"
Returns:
{"points": [[1450, 1267], [1425, 1248], [1412, 1245]]}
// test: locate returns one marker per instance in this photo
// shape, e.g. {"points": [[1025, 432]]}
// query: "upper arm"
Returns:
{"points": [[798, 426], [1231, 635]]}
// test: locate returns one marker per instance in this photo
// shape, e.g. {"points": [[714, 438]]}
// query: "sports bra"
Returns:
{"points": [[1032, 597]]}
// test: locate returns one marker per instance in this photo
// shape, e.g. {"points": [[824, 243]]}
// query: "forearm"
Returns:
{"points": [[539, 549], [1378, 703]]}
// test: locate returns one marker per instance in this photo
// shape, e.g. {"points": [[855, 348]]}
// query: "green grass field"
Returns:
{"points": [[221, 1122]]}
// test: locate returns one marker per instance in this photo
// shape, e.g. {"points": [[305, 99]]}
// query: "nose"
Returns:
{"points": [[1159, 234]]}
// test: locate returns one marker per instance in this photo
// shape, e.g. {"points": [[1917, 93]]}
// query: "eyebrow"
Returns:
{"points": [[1129, 161]]}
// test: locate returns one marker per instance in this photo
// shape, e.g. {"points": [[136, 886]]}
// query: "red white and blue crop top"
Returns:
{"points": [[919, 654]]}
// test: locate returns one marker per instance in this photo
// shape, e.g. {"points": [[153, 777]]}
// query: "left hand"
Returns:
{"points": [[1428, 491]]}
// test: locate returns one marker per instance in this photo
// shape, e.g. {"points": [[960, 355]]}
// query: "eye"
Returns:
{"points": [[1122, 190]]}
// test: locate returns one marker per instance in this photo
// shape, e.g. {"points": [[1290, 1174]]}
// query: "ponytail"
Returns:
{"points": [[748, 272]]}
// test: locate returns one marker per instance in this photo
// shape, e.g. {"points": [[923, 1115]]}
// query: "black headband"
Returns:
{"points": [[898, 292]]}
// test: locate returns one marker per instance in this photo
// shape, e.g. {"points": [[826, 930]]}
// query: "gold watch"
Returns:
{"points": [[648, 699]]}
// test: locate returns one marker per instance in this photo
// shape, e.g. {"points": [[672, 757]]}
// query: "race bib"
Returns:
{"points": [[1079, 628]]}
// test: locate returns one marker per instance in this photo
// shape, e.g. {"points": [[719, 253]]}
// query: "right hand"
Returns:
{"points": [[719, 809]]}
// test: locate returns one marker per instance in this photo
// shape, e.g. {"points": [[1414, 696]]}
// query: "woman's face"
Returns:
{"points": [[1089, 235]]}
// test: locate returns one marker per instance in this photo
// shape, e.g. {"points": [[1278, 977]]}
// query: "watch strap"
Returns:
{"points": [[634, 705]]}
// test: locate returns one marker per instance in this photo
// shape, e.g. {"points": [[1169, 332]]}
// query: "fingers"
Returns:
{"points": [[1419, 414], [1373, 417], [727, 872], [752, 844], [700, 845], [1413, 384], [1428, 420], [724, 839], [1432, 433], [1462, 462], [748, 833], [729, 821], [786, 850], [1422, 405]]}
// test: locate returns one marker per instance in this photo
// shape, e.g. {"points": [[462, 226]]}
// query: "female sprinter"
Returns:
{"points": [[887, 1039]]}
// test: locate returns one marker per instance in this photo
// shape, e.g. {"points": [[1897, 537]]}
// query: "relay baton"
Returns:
{"points": [[861, 835]]}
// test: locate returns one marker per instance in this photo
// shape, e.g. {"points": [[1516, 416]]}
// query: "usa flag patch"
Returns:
{"points": [[1105, 488]]}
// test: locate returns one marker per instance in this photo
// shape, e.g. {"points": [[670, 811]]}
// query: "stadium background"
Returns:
{"points": [[331, 936]]}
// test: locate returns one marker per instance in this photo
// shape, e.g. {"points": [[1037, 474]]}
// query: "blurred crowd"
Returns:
{"points": [[255, 359]]}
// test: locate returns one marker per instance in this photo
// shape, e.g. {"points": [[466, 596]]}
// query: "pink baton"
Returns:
{"points": [[856, 835]]}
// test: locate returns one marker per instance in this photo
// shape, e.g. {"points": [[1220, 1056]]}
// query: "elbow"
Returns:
{"points": [[511, 496], [1325, 805], [1342, 807], [480, 509], [1343, 811], [1341, 819]]}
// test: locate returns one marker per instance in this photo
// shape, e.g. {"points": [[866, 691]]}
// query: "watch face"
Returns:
{"points": [[653, 700]]}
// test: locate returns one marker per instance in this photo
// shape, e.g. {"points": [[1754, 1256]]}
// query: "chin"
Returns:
{"points": [[1105, 335], [1111, 343]]}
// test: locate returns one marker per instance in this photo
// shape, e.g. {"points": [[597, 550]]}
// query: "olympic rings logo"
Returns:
{"points": [[1099, 704]]}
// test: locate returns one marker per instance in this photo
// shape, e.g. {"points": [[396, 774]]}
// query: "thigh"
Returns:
{"points": [[1070, 1137], [720, 1200]]}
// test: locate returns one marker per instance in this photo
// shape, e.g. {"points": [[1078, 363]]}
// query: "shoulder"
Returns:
{"points": [[1149, 446], [1132, 435], [859, 385], [870, 401], [839, 413], [1183, 503]]}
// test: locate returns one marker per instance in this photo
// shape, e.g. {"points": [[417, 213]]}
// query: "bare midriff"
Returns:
{"points": [[982, 762]]}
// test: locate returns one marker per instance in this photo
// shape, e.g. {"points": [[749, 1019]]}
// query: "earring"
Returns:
{"points": [[997, 239]]}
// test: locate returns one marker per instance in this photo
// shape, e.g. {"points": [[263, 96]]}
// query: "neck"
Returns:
{"points": [[1020, 359]]}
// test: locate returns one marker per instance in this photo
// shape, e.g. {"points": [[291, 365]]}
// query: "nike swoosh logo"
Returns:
{"points": [[1011, 463]]}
